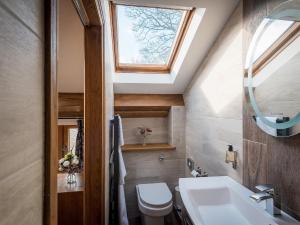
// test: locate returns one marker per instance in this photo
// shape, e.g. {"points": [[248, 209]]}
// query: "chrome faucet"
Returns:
{"points": [[266, 194]]}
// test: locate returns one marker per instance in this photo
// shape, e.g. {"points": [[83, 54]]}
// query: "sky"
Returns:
{"points": [[128, 44]]}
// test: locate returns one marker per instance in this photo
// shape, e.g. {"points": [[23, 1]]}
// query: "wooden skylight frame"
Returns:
{"points": [[147, 68], [291, 34]]}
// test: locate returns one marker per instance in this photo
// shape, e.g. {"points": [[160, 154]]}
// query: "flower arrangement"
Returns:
{"points": [[70, 164], [144, 132]]}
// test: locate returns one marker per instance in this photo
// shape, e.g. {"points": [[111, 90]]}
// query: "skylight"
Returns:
{"points": [[147, 39]]}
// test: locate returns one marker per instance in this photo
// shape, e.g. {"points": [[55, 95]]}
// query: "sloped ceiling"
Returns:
{"points": [[71, 48], [216, 15]]}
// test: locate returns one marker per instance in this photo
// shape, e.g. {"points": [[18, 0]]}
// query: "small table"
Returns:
{"points": [[70, 200]]}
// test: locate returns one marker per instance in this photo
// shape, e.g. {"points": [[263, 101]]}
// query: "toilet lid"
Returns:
{"points": [[156, 194]]}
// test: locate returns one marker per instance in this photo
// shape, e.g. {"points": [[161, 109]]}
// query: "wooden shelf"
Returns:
{"points": [[145, 105], [147, 147], [142, 114]]}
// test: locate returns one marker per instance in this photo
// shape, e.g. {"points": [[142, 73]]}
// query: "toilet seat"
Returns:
{"points": [[154, 199]]}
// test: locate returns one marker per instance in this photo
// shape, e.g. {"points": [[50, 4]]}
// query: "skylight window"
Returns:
{"points": [[147, 39]]}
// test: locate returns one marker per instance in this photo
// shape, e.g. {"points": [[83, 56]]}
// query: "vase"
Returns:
{"points": [[71, 178], [144, 141]]}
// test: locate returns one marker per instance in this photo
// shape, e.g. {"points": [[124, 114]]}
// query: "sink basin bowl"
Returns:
{"points": [[222, 201]]}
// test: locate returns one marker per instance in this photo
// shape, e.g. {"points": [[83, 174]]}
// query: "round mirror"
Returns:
{"points": [[273, 67]]}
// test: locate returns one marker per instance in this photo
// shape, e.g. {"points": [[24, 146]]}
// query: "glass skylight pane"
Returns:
{"points": [[147, 35], [271, 35]]}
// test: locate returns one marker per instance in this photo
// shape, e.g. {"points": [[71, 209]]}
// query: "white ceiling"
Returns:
{"points": [[204, 33]]}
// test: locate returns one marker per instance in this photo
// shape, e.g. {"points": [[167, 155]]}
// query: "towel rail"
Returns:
{"points": [[114, 171]]}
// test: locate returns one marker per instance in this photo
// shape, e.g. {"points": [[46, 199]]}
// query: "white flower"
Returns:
{"points": [[75, 162], [66, 163], [61, 160], [60, 169]]}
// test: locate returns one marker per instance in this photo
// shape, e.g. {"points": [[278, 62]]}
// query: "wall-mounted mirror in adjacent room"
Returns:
{"points": [[273, 67]]}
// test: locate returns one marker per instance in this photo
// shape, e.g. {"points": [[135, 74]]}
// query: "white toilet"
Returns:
{"points": [[155, 202]]}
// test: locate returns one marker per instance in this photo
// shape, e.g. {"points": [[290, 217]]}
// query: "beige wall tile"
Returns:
{"points": [[145, 167], [159, 127], [214, 104], [22, 112]]}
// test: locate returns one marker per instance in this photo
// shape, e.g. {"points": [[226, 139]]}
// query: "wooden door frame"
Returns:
{"points": [[91, 14], [51, 111]]}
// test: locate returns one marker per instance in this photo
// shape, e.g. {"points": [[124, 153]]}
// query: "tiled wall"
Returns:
{"points": [[145, 167], [268, 159], [22, 109], [159, 127], [214, 103]]}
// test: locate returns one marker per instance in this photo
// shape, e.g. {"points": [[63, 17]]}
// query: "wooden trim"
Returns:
{"points": [[114, 34], [142, 114], [63, 138], [151, 5], [66, 139], [51, 142], [144, 68], [93, 10], [94, 115], [137, 107], [94, 126], [70, 105], [60, 145], [145, 105], [283, 42], [94, 138], [147, 147], [78, 4], [147, 100], [179, 41]]}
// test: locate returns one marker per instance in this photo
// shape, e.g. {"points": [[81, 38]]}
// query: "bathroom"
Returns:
{"points": [[211, 125], [173, 112]]}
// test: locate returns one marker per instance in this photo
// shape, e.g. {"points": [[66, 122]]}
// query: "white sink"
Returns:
{"points": [[222, 201]]}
